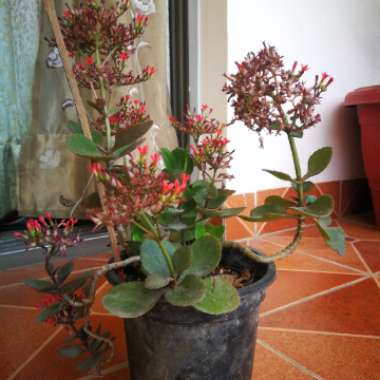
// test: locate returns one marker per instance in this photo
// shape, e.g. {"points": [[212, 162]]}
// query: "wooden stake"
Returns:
{"points": [[51, 12]]}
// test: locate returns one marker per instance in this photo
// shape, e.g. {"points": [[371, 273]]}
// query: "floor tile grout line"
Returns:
{"points": [[313, 296], [317, 332], [47, 277], [322, 272], [372, 274], [31, 265], [19, 307], [251, 233], [107, 371], [43, 345], [289, 360], [300, 252], [35, 353]]}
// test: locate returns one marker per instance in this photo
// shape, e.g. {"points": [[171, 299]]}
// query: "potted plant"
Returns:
{"points": [[190, 299]]}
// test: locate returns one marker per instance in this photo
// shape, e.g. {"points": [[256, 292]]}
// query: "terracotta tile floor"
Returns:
{"points": [[320, 320]]}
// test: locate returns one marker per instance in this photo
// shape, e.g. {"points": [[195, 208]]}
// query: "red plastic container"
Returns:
{"points": [[367, 102]]}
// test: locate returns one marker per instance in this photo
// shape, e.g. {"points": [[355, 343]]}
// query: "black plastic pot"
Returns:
{"points": [[172, 343]]}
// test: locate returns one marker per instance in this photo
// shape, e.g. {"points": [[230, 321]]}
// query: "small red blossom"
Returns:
{"points": [[66, 13], [89, 60], [155, 157], [304, 68], [114, 119], [95, 168], [150, 70], [123, 56], [143, 150], [324, 76], [141, 20]]}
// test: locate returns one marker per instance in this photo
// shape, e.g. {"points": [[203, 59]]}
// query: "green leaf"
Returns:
{"points": [[70, 351], [49, 311], [80, 145], [74, 127], [216, 231], [137, 233], [40, 285], [131, 299], [190, 291], [318, 161], [279, 175], [200, 230], [267, 212], [177, 161], [322, 207], [198, 192], [90, 363], [152, 258], [279, 201], [217, 200], [182, 259], [122, 151], [307, 186], [64, 272], [221, 213], [221, 297], [128, 136], [310, 199], [76, 283], [206, 253], [156, 281], [334, 236]]}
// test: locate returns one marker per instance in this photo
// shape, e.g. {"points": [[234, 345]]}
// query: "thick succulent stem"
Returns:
{"points": [[300, 223], [49, 6]]}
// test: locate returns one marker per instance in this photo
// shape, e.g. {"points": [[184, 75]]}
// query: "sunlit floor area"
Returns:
{"points": [[320, 319]]}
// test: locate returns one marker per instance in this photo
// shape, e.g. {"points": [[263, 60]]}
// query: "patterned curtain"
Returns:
{"points": [[33, 123], [19, 40]]}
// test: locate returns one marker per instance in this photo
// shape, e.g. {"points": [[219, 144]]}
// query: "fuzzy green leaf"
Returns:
{"points": [[80, 145], [64, 271], [40, 285], [206, 253], [152, 258], [131, 299], [70, 351], [50, 311], [279, 201], [221, 213], [182, 259], [322, 207], [267, 212], [279, 175], [333, 236], [190, 291], [128, 136], [177, 161], [221, 297], [318, 161], [156, 281]]}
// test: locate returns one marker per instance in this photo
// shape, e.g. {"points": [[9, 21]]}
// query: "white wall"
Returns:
{"points": [[341, 37]]}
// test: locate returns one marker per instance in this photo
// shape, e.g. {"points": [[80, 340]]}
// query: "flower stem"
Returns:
{"points": [[297, 167]]}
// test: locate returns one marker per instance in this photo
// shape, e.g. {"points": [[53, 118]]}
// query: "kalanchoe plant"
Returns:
{"points": [[266, 96], [171, 246]]}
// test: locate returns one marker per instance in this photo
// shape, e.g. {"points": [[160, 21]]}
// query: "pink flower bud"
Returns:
{"points": [[143, 150]]}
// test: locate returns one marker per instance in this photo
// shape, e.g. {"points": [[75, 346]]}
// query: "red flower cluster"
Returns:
{"points": [[196, 125], [101, 44], [267, 96], [130, 112], [209, 151], [45, 232], [137, 187], [212, 154]]}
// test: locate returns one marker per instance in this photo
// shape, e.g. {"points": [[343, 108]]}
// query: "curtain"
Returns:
{"points": [[49, 174], [19, 40]]}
